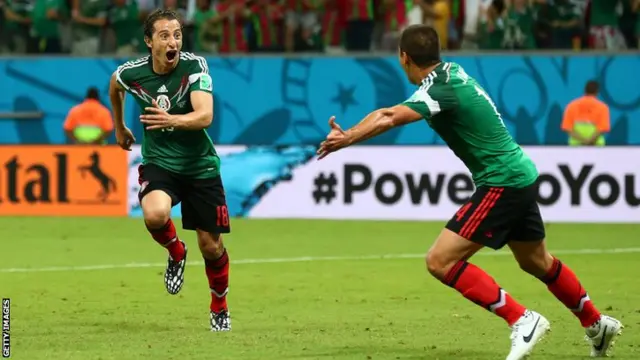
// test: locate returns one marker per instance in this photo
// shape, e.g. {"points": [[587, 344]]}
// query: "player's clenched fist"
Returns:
{"points": [[125, 138]]}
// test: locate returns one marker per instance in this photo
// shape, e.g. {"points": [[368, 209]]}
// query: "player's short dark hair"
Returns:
{"points": [[93, 93], [421, 44], [159, 14], [592, 88]]}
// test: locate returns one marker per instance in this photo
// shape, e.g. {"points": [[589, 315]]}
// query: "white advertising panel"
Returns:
{"points": [[416, 183], [430, 183]]}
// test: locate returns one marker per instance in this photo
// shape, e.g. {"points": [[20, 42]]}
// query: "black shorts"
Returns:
{"points": [[204, 205], [493, 216]]}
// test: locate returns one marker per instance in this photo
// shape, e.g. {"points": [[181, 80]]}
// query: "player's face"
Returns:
{"points": [[166, 41]]}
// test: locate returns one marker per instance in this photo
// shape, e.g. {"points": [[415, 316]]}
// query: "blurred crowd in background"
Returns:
{"points": [[90, 27]]}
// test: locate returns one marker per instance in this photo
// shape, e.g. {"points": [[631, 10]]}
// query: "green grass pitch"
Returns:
{"points": [[344, 301]]}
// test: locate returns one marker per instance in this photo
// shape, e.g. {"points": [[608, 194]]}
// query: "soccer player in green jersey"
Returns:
{"points": [[180, 164], [503, 209]]}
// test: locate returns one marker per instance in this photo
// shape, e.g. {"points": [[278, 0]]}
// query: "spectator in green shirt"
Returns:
{"points": [[124, 18], [542, 26], [205, 32], [89, 17], [519, 26], [604, 26], [45, 27], [17, 25], [566, 24], [492, 31]]}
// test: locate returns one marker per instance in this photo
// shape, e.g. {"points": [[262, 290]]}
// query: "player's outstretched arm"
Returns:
{"points": [[116, 95], [124, 136], [202, 114], [372, 125], [380, 121]]}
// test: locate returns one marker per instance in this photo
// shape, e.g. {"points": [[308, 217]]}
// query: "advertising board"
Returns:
{"points": [[63, 180], [417, 183]]}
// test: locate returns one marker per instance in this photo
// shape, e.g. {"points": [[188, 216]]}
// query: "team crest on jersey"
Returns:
{"points": [[163, 102]]}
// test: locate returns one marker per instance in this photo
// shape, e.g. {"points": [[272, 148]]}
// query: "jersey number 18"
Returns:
{"points": [[495, 109]]}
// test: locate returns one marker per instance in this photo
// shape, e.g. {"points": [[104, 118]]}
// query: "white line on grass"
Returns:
{"points": [[302, 259]]}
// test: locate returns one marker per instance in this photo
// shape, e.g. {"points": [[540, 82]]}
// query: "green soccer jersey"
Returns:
{"points": [[189, 153], [461, 112]]}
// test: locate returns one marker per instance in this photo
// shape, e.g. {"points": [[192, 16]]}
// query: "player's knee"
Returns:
{"points": [[156, 217], [156, 209], [436, 264], [209, 243]]}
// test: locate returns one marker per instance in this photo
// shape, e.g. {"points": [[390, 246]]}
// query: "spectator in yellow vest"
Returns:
{"points": [[586, 119], [89, 122]]}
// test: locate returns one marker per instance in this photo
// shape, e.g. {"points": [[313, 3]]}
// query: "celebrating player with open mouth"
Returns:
{"points": [[502, 211], [180, 163]]}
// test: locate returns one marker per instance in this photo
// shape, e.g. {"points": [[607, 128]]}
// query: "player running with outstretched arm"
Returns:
{"points": [[179, 161], [503, 209]]}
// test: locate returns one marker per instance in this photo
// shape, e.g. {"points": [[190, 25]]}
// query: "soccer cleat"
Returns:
{"points": [[220, 321], [526, 333], [174, 274], [602, 335]]}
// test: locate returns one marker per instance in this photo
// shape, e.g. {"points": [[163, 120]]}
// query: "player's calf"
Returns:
{"points": [[216, 260], [167, 237], [566, 287], [534, 258], [446, 261], [601, 330], [562, 282], [177, 259], [156, 208]]}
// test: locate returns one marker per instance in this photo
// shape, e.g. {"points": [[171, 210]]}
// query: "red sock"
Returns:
{"points": [[167, 237], [218, 275], [476, 285], [566, 287]]}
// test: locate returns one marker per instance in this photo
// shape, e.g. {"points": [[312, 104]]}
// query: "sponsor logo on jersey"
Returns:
{"points": [[163, 89], [164, 102], [205, 82]]}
